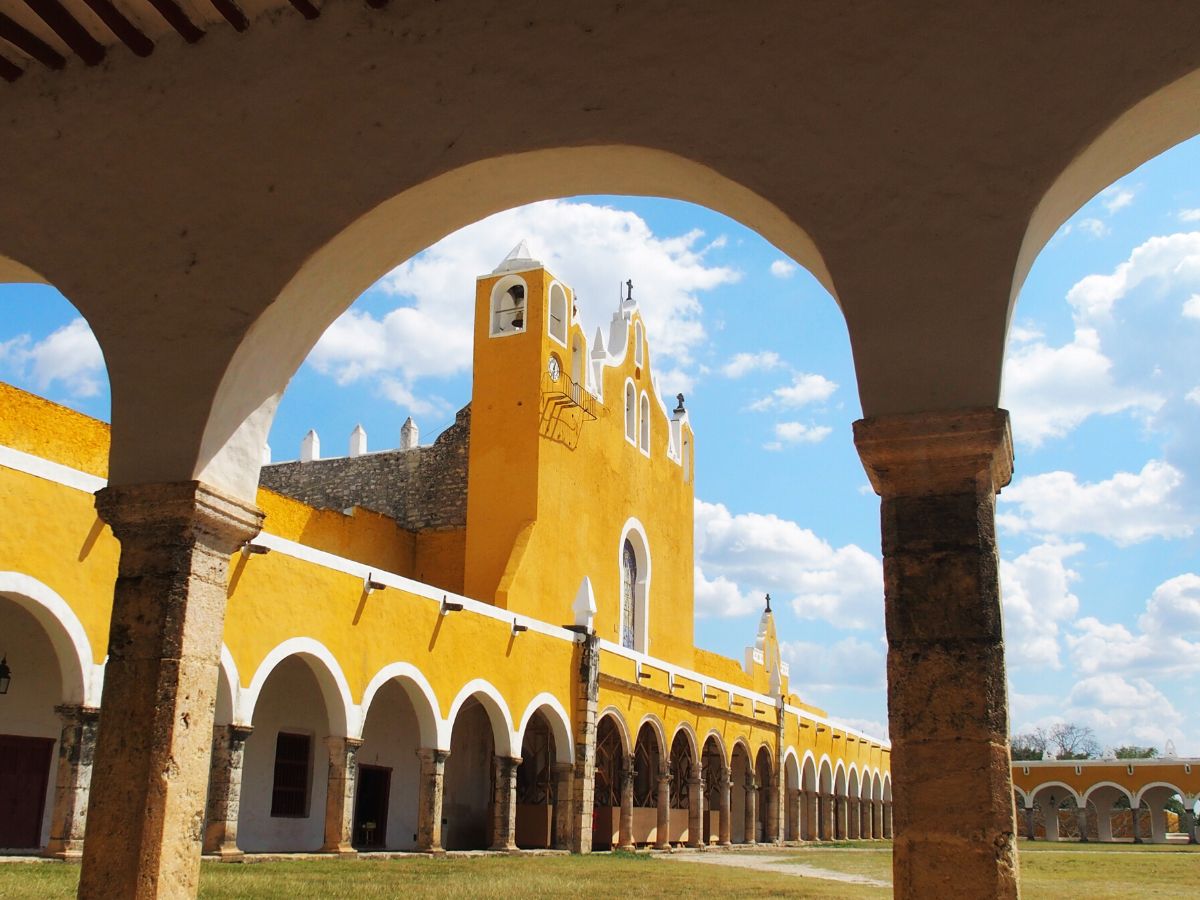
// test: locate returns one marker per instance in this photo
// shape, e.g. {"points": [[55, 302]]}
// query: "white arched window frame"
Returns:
{"points": [[633, 537], [508, 310], [630, 412], [644, 434], [558, 316], [637, 343]]}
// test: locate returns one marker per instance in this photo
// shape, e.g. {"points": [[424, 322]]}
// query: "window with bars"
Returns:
{"points": [[293, 770], [628, 586], [681, 773], [608, 765]]}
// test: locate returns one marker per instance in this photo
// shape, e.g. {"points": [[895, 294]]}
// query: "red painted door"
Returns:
{"points": [[24, 772]]}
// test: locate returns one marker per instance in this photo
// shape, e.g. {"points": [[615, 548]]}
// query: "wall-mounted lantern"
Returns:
{"points": [[5, 675]]}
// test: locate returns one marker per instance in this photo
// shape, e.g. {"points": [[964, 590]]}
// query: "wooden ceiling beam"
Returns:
{"points": [[178, 19], [30, 43], [233, 14], [126, 32], [74, 35], [9, 70], [306, 8]]}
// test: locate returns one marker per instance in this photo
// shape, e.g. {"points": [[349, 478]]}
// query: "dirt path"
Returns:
{"points": [[779, 864]]}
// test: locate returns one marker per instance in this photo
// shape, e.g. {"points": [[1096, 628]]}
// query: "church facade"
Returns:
{"points": [[481, 642]]}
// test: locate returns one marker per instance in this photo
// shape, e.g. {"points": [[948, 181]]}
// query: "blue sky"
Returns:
{"points": [[1098, 532]]}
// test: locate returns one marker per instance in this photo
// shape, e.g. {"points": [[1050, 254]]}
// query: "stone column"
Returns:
{"points": [[583, 787], [724, 819], [888, 827], [751, 823], [769, 795], [853, 818], [938, 474], [73, 780], [430, 791], [564, 824], [877, 826], [864, 820], [625, 827], [662, 831], [1081, 818], [1188, 822], [150, 774], [339, 797], [504, 806], [813, 824], [842, 818], [1135, 816], [1030, 826], [795, 827], [225, 791], [825, 819], [697, 837]]}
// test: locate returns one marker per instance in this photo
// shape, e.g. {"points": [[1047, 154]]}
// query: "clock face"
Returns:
{"points": [[554, 368]]}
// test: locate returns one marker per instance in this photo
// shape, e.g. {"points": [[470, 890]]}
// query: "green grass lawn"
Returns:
{"points": [[1047, 871]]}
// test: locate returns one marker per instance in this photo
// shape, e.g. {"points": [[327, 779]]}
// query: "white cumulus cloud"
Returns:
{"points": [[850, 662], [741, 364], [1191, 307], [760, 554], [1036, 587], [1051, 390], [1124, 710], [68, 356], [1128, 508], [1173, 258], [799, 433], [1189, 215], [1116, 198], [806, 388], [781, 268], [592, 248], [1174, 607]]}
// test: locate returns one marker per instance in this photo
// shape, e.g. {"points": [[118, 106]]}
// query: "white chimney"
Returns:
{"points": [[358, 441], [410, 436], [584, 606], [310, 447]]}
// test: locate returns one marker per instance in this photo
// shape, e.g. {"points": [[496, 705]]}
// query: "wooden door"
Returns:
{"points": [[24, 773]]}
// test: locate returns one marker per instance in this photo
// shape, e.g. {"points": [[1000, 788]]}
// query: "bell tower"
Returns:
{"points": [[522, 320]]}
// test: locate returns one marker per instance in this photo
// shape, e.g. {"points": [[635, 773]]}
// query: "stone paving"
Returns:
{"points": [[782, 865]]}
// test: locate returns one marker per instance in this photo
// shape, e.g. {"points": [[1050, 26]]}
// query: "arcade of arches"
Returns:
{"points": [[164, 173]]}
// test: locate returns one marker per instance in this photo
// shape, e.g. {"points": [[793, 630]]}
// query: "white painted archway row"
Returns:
{"points": [[348, 718]]}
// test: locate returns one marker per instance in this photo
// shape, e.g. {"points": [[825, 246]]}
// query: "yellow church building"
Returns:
{"points": [[486, 641]]}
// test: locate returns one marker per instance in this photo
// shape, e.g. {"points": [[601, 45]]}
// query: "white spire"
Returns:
{"points": [[410, 436], [518, 258], [310, 447], [598, 349], [358, 441]]}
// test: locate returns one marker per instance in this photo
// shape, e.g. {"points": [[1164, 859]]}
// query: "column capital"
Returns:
{"points": [[76, 713], [240, 733], [915, 454], [562, 770], [432, 755], [223, 521], [339, 744]]}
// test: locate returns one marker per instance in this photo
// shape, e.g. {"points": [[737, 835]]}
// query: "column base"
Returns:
{"points": [[502, 848], [70, 851], [230, 854], [343, 851], [627, 848]]}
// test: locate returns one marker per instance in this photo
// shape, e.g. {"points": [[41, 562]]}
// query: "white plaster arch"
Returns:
{"points": [[693, 742], [791, 764], [227, 672], [876, 786], [1147, 788], [348, 259], [825, 774], [498, 715], [1026, 801], [420, 695], [744, 743], [499, 289], [1033, 794], [887, 787], [808, 771], [715, 736], [556, 289], [622, 727], [660, 732], [840, 779], [344, 716], [635, 532], [558, 720], [82, 679], [1124, 791]]}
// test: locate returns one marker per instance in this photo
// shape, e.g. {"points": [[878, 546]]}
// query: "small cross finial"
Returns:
{"points": [[679, 408], [629, 285], [768, 602]]}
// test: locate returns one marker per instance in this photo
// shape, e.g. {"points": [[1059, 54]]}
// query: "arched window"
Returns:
{"points": [[630, 413], [637, 343], [557, 322], [645, 435], [508, 306], [628, 588]]}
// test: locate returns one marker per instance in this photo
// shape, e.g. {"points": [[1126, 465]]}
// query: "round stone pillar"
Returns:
{"points": [[938, 475], [628, 774], [724, 821], [662, 830]]}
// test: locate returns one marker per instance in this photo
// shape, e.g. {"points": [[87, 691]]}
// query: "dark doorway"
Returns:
{"points": [[371, 807], [24, 773]]}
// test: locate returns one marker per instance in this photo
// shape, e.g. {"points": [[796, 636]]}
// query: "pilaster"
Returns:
{"points": [[504, 806], [76, 749], [430, 791], [696, 830], [339, 798], [225, 791]]}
